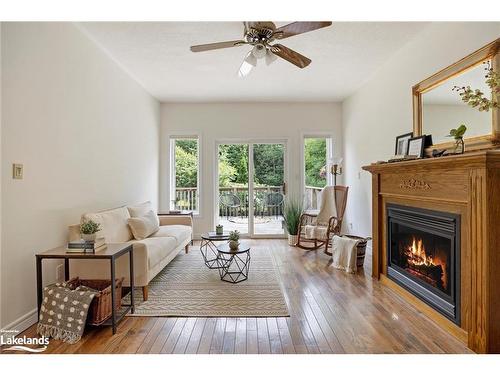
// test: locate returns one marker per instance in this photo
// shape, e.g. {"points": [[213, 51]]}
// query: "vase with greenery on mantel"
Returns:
{"points": [[89, 229], [458, 134], [292, 210]]}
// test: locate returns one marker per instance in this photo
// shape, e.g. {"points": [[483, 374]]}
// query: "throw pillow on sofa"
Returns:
{"points": [[144, 226], [141, 209]]}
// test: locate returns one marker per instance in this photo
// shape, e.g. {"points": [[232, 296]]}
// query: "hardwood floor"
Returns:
{"points": [[330, 312]]}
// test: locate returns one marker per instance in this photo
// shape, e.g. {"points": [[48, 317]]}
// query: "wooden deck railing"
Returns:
{"points": [[312, 198], [187, 199], [259, 202]]}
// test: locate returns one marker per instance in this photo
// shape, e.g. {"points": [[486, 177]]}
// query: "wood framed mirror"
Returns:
{"points": [[437, 108]]}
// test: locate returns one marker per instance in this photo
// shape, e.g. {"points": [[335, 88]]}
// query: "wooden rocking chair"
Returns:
{"points": [[323, 232]]}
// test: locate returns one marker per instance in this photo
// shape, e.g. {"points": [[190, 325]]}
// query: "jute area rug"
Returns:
{"points": [[186, 287]]}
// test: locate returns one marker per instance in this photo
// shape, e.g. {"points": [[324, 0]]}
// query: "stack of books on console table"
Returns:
{"points": [[82, 246]]}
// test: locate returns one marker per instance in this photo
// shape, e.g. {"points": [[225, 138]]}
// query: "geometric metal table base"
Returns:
{"points": [[209, 253], [208, 249], [233, 266]]}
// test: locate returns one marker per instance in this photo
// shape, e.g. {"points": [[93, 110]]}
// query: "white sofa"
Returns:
{"points": [[151, 254]]}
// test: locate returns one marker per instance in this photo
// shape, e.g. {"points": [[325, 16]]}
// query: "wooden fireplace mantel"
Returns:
{"points": [[468, 185]]}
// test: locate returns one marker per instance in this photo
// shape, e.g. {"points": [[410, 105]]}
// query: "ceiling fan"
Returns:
{"points": [[260, 35]]}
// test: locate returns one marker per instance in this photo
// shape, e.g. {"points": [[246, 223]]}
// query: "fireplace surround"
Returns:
{"points": [[423, 256], [467, 186]]}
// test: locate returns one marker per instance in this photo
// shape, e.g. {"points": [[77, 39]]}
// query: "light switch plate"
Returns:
{"points": [[17, 171]]}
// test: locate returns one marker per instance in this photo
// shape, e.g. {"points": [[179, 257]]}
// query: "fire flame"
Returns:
{"points": [[417, 256]]}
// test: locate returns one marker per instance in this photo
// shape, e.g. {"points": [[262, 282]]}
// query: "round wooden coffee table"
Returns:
{"points": [[233, 264]]}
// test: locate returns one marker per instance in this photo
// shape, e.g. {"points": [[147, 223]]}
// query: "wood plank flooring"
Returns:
{"points": [[330, 312]]}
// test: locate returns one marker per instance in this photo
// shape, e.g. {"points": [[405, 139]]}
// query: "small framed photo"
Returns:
{"points": [[402, 144], [416, 146]]}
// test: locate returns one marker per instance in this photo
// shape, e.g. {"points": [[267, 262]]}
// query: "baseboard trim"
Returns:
{"points": [[24, 322]]}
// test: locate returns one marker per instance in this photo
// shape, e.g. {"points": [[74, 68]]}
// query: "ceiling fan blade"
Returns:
{"points": [[290, 55], [296, 28], [218, 45]]}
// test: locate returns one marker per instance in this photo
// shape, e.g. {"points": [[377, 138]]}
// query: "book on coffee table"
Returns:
{"points": [[81, 246]]}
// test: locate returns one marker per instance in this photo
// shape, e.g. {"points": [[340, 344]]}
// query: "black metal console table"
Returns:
{"points": [[110, 253]]}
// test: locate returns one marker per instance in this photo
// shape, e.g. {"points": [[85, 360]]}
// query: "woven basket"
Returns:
{"points": [[361, 248], [100, 308]]}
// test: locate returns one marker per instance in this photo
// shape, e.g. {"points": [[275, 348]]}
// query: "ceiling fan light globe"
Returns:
{"points": [[251, 59], [270, 57], [245, 69], [259, 51], [247, 65]]}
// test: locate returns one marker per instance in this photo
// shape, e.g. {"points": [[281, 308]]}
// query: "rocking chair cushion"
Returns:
{"points": [[315, 232]]}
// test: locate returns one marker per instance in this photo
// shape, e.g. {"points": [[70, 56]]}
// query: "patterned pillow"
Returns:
{"points": [[64, 312]]}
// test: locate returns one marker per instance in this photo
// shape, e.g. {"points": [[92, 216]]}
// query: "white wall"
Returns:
{"points": [[87, 134], [223, 121], [382, 108]]}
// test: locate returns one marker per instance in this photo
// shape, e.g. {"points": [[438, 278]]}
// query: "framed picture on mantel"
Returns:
{"points": [[416, 146], [402, 144]]}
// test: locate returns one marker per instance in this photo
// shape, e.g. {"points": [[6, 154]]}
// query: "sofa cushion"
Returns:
{"points": [[180, 232], [157, 248], [143, 226], [114, 224]]}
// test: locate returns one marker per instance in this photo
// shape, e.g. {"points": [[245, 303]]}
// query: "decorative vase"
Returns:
{"points": [[292, 239], [459, 146], [219, 230], [89, 237], [233, 245]]}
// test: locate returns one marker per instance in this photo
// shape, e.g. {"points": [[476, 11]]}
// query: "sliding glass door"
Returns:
{"points": [[232, 186], [268, 188], [251, 187]]}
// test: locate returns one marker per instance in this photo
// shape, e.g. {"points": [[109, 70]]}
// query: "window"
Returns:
{"points": [[184, 173], [317, 151]]}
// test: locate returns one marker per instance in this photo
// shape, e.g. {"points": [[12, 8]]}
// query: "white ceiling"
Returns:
{"points": [[157, 55]]}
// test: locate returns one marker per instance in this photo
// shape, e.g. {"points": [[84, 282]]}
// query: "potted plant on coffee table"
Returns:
{"points": [[88, 230], [234, 238], [292, 210]]}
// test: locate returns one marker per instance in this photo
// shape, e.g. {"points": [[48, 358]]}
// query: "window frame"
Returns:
{"points": [[172, 138], [330, 145]]}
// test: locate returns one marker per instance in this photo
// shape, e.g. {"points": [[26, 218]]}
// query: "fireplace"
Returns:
{"points": [[424, 256]]}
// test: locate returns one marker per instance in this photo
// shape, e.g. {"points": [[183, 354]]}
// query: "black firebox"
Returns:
{"points": [[423, 256]]}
